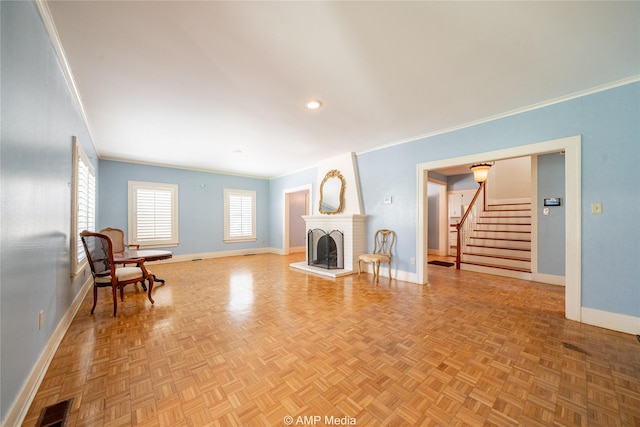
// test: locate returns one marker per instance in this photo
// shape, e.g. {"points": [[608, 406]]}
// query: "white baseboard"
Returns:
{"points": [[222, 254], [19, 409], [405, 276], [550, 279], [614, 321], [496, 271]]}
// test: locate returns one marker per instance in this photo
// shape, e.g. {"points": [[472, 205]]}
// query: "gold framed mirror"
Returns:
{"points": [[332, 193]]}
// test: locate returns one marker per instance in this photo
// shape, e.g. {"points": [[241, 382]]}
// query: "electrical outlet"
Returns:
{"points": [[596, 208], [41, 319], [413, 261]]}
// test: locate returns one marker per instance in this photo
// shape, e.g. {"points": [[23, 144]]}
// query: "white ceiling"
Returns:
{"points": [[185, 84]]}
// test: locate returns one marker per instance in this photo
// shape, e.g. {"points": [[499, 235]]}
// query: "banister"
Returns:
{"points": [[462, 221]]}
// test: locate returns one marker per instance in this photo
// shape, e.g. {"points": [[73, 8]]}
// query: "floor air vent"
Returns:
{"points": [[55, 415]]}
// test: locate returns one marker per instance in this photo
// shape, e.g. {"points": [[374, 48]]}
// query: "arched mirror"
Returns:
{"points": [[332, 193]]}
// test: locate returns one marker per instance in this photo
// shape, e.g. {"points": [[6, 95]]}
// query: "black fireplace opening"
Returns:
{"points": [[325, 249]]}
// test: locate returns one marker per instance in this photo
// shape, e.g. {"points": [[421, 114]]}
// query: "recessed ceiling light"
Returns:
{"points": [[314, 104]]}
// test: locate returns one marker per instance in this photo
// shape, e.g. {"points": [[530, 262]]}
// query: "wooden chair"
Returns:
{"points": [[117, 239], [99, 250], [119, 246], [383, 244]]}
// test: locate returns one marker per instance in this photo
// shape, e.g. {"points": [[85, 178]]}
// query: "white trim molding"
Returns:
{"points": [[404, 276], [614, 321], [47, 19], [550, 279], [220, 254]]}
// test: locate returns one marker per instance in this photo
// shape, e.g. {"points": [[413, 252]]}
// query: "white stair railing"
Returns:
{"points": [[468, 223]]}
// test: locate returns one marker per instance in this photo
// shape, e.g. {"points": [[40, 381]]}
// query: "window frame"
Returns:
{"points": [[133, 187], [77, 253], [228, 238]]}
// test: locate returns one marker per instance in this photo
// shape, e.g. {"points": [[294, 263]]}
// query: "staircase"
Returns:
{"points": [[500, 243]]}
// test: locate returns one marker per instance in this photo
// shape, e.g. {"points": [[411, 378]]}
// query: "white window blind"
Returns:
{"points": [[240, 215], [84, 205], [153, 216]]}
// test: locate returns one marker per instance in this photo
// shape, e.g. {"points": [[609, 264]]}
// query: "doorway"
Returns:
{"points": [[572, 149], [438, 241], [297, 203]]}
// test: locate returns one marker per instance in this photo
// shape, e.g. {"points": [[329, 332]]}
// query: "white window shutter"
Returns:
{"points": [[240, 215], [153, 214]]}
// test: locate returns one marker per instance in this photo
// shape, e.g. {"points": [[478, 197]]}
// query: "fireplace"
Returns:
{"points": [[351, 245], [325, 249]]}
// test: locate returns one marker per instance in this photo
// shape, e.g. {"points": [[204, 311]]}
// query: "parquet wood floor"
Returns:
{"points": [[249, 341]]}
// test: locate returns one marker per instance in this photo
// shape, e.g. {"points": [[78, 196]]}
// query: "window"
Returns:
{"points": [[239, 215], [153, 214], [83, 201]]}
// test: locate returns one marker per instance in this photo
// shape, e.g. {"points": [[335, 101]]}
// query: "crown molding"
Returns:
{"points": [[47, 20]]}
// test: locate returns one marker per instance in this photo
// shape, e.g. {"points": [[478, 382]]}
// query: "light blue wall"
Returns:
{"points": [[610, 129], [38, 121], [436, 175], [461, 182], [201, 204], [551, 228]]}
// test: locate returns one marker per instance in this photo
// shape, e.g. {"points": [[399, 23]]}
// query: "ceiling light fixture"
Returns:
{"points": [[481, 171], [314, 104]]}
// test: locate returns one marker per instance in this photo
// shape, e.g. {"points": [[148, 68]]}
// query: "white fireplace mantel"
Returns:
{"points": [[354, 229]]}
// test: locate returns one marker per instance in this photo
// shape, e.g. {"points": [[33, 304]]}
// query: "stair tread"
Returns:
{"points": [[503, 223], [502, 231], [500, 247], [505, 217], [501, 267], [513, 258], [500, 215], [500, 238]]}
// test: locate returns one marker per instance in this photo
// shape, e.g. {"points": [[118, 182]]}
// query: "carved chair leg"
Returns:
{"points": [[95, 297], [115, 299], [377, 271], [150, 279], [359, 267]]}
